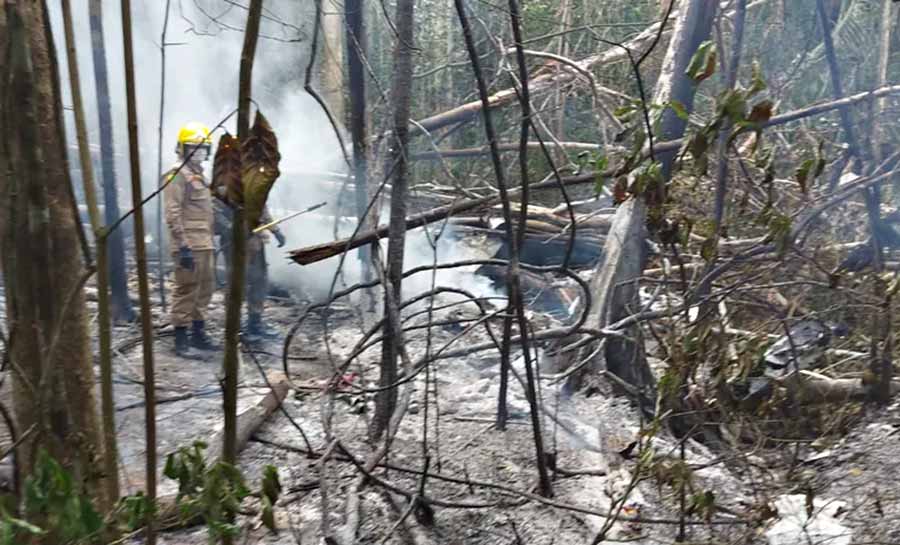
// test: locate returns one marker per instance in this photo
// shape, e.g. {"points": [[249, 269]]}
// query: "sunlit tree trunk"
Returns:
{"points": [[53, 381], [333, 58]]}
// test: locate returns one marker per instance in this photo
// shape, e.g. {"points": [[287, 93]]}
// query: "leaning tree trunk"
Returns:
{"points": [[121, 309], [53, 385], [615, 283]]}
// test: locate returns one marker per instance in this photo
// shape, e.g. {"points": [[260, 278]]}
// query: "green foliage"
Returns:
{"points": [[810, 169], [50, 496], [668, 384], [271, 489], [134, 510], [732, 107], [778, 226], [703, 63], [600, 164], [647, 178], [703, 504], [757, 83], [50, 493], [13, 530], [679, 109], [215, 493]]}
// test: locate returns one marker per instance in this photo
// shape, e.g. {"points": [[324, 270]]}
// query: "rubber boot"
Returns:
{"points": [[200, 339], [257, 328], [182, 346]]}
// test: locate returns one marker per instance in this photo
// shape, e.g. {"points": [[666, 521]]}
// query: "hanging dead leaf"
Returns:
{"points": [[761, 112], [259, 160], [620, 191], [226, 180]]}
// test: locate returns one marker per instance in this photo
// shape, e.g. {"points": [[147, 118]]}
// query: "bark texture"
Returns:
{"points": [[401, 88], [615, 286], [45, 303]]}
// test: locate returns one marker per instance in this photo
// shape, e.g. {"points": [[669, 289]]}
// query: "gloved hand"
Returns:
{"points": [[279, 236], [186, 258]]}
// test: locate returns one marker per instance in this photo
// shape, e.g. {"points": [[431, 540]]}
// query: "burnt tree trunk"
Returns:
{"points": [[357, 51], [386, 401], [615, 284], [121, 309], [43, 269]]}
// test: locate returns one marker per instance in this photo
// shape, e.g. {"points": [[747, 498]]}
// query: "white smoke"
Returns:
{"points": [[202, 70]]}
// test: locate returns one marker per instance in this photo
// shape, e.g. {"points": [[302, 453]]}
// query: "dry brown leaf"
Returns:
{"points": [[259, 160], [226, 180]]}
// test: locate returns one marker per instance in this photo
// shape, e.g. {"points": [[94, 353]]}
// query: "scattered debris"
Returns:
{"points": [[802, 519]]}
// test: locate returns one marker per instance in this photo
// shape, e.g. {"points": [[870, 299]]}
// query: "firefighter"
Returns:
{"points": [[258, 279], [189, 218], [257, 275]]}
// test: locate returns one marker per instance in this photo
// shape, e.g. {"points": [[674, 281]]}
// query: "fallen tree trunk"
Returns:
{"points": [[615, 288], [506, 146], [313, 254], [319, 252], [615, 283], [550, 82], [541, 84], [248, 422], [823, 390]]}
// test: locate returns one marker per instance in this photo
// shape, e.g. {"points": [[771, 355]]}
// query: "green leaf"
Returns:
{"points": [[684, 232], [170, 470], [780, 231], [757, 83], [801, 174], [679, 109], [91, 521], [624, 112], [19, 525], [703, 63], [267, 516], [820, 160], [733, 105], [271, 485]]}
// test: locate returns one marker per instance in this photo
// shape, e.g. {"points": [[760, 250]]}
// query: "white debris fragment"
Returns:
{"points": [[848, 178], [796, 526]]}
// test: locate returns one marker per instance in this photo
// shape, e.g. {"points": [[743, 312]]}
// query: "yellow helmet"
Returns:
{"points": [[194, 134]]}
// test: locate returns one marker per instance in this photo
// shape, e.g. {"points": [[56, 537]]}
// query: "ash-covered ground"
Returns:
{"points": [[481, 485]]}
